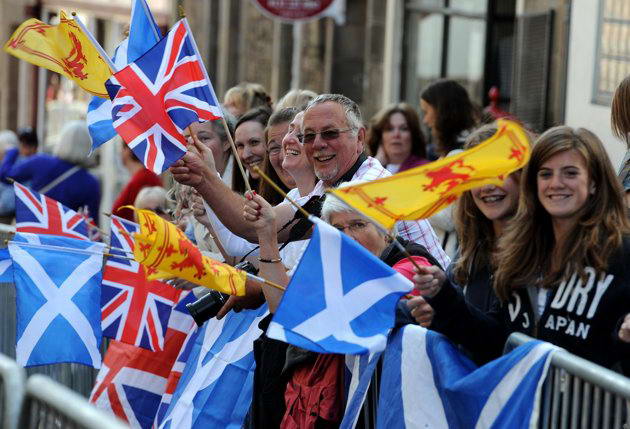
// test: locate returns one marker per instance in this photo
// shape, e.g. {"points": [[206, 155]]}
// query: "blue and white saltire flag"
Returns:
{"points": [[341, 298], [6, 267], [143, 34], [359, 370], [215, 390], [58, 294], [427, 382]]}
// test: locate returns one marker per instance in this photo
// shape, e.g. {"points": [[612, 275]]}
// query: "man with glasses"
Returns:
{"points": [[333, 135]]}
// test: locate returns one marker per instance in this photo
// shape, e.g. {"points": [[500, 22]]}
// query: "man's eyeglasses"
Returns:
{"points": [[355, 226], [327, 135]]}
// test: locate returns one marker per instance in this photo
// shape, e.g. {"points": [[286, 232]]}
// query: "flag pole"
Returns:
{"points": [[281, 192], [214, 236], [214, 96], [265, 281], [383, 230], [97, 45]]}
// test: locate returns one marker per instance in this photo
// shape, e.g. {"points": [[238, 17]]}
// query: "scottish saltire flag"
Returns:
{"points": [[156, 97], [132, 380], [341, 298], [134, 310], [57, 283], [359, 371], [427, 382], [6, 266], [39, 214], [143, 34], [215, 390]]}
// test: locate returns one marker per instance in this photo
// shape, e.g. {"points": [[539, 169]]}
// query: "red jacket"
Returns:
{"points": [[314, 395], [142, 179]]}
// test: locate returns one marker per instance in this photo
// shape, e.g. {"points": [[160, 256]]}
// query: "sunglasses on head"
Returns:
{"points": [[326, 135]]}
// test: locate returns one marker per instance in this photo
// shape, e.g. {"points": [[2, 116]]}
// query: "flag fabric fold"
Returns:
{"points": [[166, 251], [341, 298], [38, 214], [215, 389], [132, 380], [427, 379], [157, 96], [143, 34], [63, 48], [134, 309], [57, 303], [420, 192]]}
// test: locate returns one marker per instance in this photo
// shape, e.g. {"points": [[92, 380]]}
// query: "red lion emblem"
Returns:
{"points": [[75, 61], [193, 258], [448, 176]]}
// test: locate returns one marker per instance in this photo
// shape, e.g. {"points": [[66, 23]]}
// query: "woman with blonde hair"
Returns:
{"points": [[562, 273], [244, 97]]}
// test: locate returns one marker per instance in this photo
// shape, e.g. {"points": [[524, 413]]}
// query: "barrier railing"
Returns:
{"points": [[580, 394], [48, 404], [12, 378]]}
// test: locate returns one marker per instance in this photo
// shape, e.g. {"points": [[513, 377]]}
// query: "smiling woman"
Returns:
{"points": [[562, 271], [249, 138]]}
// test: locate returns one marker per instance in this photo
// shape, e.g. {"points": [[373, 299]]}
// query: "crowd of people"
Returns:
{"points": [[545, 253]]}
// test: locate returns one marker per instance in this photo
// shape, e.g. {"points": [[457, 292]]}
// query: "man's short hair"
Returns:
{"points": [[350, 108], [27, 136]]}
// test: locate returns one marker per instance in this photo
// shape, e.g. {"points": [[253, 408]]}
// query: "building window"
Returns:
{"points": [[613, 49]]}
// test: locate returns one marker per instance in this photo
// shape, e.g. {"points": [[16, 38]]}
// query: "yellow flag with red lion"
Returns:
{"points": [[420, 192], [166, 252], [62, 48]]}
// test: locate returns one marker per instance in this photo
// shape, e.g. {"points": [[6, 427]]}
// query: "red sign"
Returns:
{"points": [[293, 10]]}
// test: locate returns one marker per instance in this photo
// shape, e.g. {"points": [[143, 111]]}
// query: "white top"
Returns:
{"points": [[419, 231]]}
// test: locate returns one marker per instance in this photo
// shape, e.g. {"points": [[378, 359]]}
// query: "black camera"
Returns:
{"points": [[206, 307], [247, 266]]}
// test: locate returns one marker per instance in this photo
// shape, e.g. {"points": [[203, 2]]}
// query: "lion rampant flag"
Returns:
{"points": [[62, 48], [166, 252], [421, 192]]}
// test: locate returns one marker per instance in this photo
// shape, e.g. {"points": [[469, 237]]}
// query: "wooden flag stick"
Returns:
{"points": [[214, 96], [235, 153], [265, 281], [281, 192]]}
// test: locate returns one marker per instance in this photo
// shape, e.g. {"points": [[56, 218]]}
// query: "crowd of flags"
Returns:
{"points": [[160, 369]]}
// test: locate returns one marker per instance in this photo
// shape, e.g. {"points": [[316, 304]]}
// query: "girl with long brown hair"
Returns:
{"points": [[562, 273], [480, 217]]}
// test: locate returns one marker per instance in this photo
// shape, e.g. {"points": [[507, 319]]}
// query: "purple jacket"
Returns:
{"points": [[411, 162]]}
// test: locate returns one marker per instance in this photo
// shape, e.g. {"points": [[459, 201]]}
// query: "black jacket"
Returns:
{"points": [[582, 317]]}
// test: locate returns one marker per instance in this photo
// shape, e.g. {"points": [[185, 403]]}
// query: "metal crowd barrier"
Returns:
{"points": [[50, 405], [12, 377], [580, 394]]}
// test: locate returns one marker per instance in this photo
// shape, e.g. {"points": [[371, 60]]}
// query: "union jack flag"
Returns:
{"points": [[132, 380], [134, 310], [156, 97], [39, 214]]}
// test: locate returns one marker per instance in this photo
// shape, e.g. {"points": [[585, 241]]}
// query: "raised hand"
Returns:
{"points": [[260, 213], [429, 280]]}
